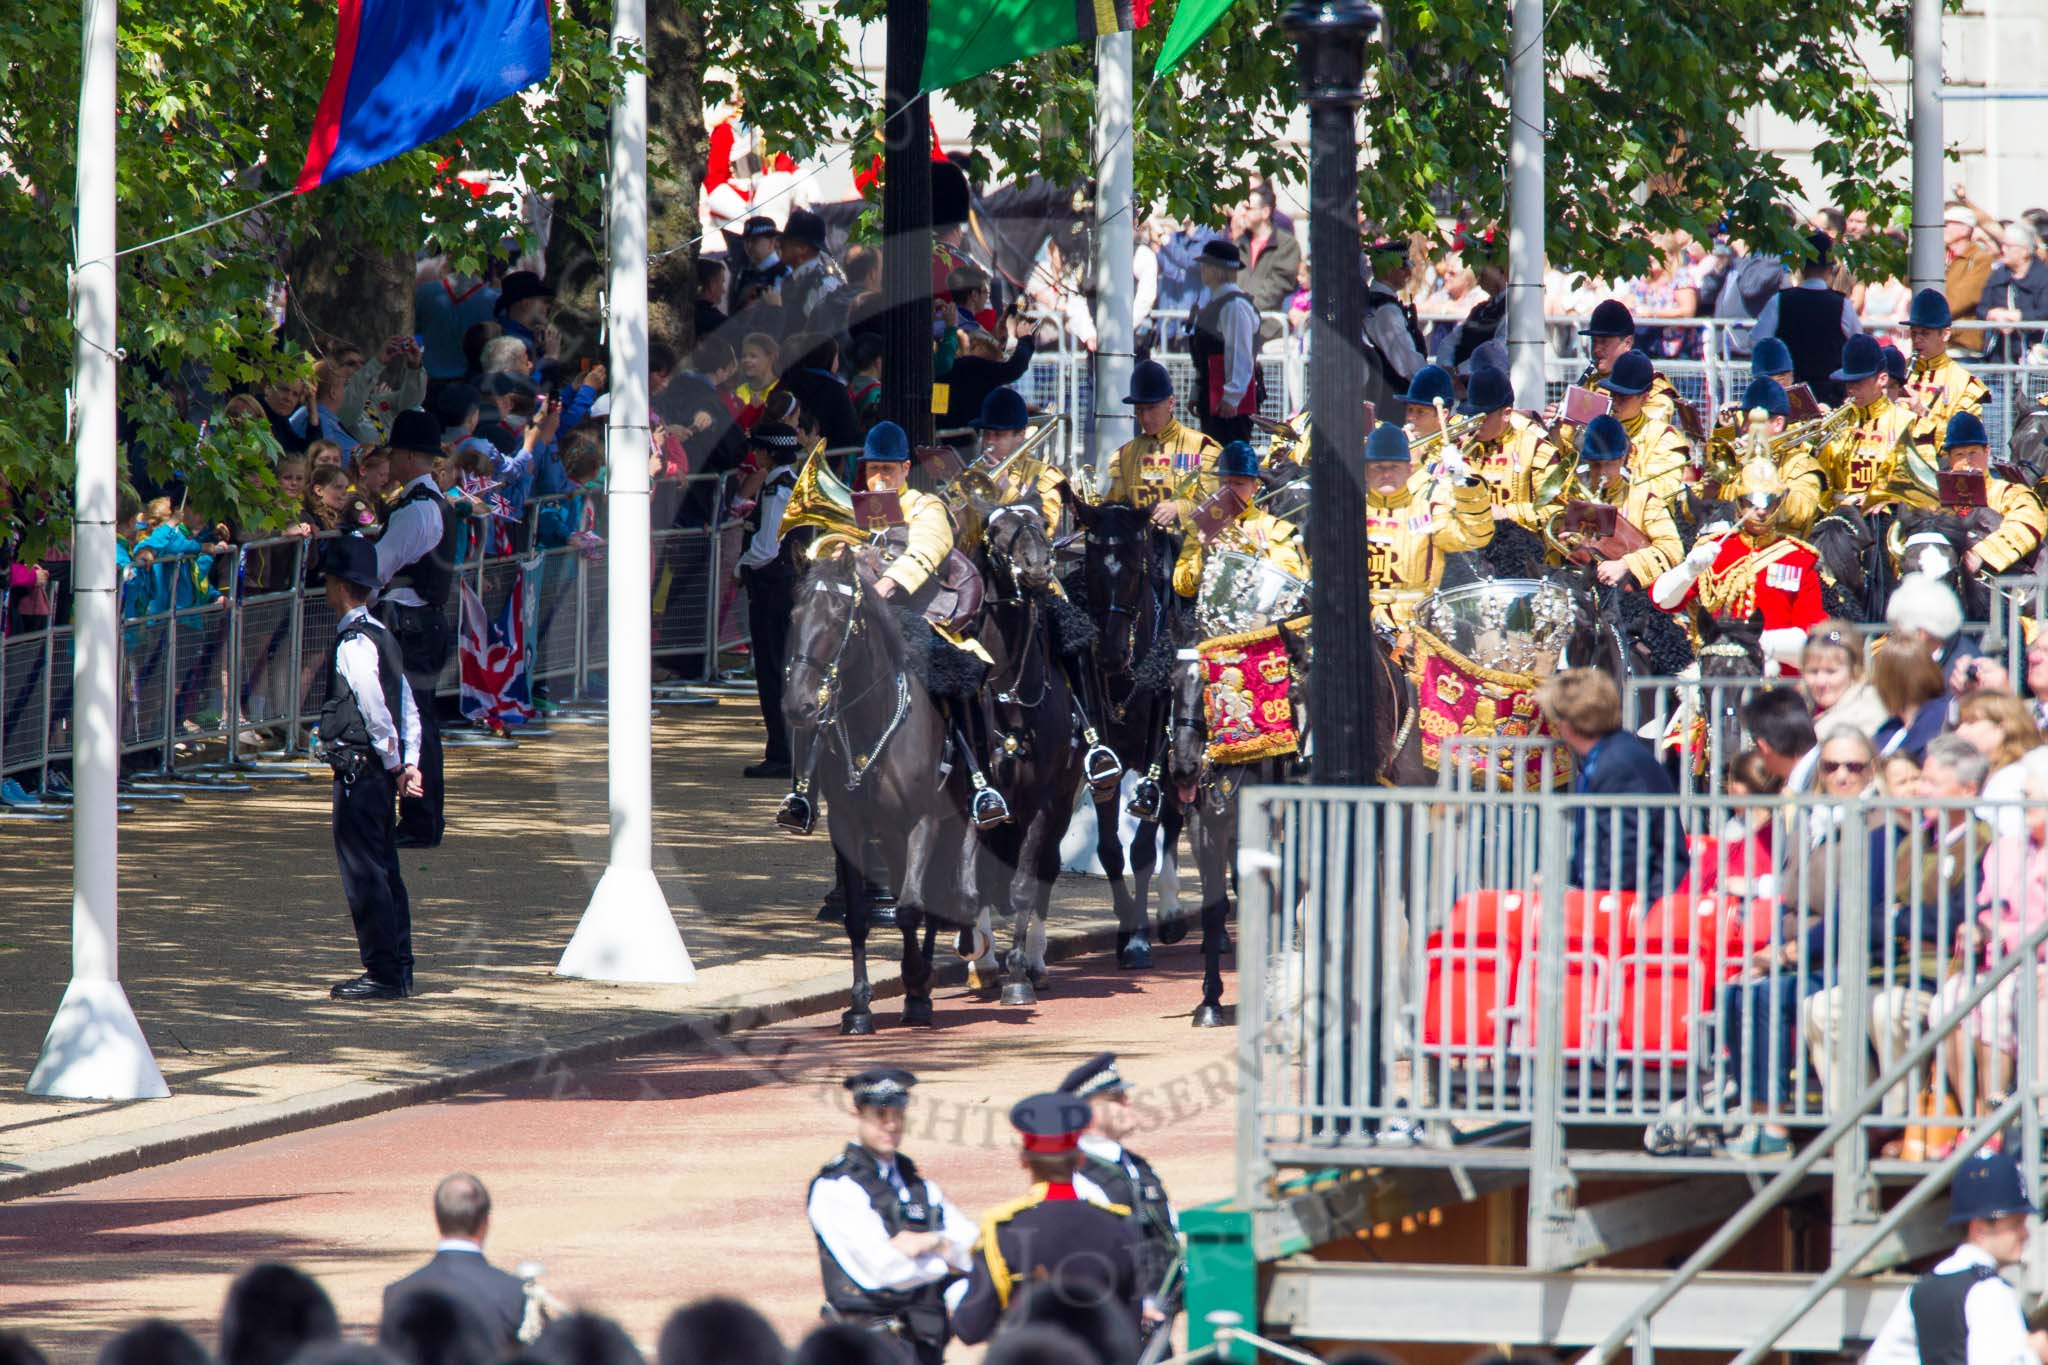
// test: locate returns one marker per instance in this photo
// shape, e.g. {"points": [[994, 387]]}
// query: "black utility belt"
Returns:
{"points": [[351, 763]]}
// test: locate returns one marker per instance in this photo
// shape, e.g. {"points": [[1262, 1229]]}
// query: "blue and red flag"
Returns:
{"points": [[407, 71], [497, 667]]}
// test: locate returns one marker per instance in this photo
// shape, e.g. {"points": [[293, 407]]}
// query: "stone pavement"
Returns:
{"points": [[233, 927], [640, 1183]]}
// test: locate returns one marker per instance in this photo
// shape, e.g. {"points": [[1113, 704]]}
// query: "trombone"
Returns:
{"points": [[977, 489]]}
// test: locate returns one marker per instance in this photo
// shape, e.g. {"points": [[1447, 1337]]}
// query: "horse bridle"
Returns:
{"points": [[1147, 588], [832, 707], [999, 560]]}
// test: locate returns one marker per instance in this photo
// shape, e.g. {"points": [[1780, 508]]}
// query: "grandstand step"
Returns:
{"points": [[1370, 1301]]}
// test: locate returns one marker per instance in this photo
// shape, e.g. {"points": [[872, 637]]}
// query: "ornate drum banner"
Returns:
{"points": [[1245, 678], [1480, 653]]}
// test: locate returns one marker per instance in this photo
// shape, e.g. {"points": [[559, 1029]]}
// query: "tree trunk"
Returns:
{"points": [[343, 294], [676, 151]]}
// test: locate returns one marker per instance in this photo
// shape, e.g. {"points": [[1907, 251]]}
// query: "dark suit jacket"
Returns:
{"points": [[467, 1277], [1604, 842]]}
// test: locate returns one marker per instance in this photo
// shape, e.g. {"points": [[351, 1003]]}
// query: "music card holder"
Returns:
{"points": [[1961, 488], [1595, 519], [942, 463], [1690, 422], [878, 510], [1216, 512], [1582, 405], [1802, 405]]}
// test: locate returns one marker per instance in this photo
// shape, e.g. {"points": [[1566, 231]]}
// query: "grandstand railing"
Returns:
{"points": [[244, 673], [1422, 956]]}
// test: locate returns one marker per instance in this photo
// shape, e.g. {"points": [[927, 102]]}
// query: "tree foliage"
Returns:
{"points": [[217, 98], [1643, 118], [1643, 131]]}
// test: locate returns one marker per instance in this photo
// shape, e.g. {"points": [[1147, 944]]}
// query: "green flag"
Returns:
{"points": [[1192, 20], [975, 36]]}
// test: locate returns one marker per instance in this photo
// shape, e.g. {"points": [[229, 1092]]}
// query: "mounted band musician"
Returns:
{"points": [[1754, 570], [910, 542], [1414, 518], [1006, 473]]}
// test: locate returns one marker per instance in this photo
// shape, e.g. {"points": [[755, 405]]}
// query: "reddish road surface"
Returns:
{"points": [[640, 1184]]}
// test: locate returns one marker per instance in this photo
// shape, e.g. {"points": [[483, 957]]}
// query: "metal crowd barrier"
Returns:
{"points": [[1425, 955], [244, 673]]}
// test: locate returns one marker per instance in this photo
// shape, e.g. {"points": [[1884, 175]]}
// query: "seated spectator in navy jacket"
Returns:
{"points": [[1622, 848]]}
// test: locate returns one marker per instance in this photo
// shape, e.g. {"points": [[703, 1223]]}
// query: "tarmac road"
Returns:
{"points": [[640, 1183]]}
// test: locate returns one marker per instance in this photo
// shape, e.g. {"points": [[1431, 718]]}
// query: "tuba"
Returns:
{"points": [[820, 500]]}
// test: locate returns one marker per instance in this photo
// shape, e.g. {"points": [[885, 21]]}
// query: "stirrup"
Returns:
{"points": [[1146, 799], [1100, 765], [987, 809], [796, 814]]}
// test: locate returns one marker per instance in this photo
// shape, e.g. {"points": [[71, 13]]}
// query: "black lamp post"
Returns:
{"points": [[907, 224], [1332, 36]]}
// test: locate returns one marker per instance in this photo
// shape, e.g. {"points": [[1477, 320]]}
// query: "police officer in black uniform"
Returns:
{"points": [[416, 561], [1054, 1233], [1125, 1178], [889, 1242], [1961, 1312], [370, 736]]}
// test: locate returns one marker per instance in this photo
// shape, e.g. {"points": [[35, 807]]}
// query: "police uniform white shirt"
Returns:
{"points": [[1991, 1311], [409, 535], [852, 1232], [356, 661]]}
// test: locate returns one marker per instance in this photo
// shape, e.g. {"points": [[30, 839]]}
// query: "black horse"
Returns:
{"points": [[866, 729], [1209, 795], [1124, 582], [1035, 728], [1853, 557]]}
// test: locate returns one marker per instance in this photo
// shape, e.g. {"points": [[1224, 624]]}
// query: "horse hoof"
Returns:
{"points": [[1039, 977], [917, 1013], [882, 914], [1019, 993], [856, 1023], [1208, 1016], [1136, 956], [1173, 928], [832, 912], [972, 944]]}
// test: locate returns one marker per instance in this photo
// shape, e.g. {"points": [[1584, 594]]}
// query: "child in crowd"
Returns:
{"points": [[864, 359], [324, 455], [184, 548], [271, 568], [373, 477], [759, 356]]}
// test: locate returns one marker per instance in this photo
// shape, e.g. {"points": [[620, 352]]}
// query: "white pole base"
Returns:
{"points": [[628, 934], [95, 1050]]}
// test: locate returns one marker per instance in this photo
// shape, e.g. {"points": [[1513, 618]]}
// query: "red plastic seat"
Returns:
{"points": [[1491, 916], [1466, 996], [1666, 982]]}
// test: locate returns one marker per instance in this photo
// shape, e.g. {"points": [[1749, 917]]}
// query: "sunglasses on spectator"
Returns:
{"points": [[1855, 766]]}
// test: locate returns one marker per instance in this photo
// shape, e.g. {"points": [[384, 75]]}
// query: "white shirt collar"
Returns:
{"points": [[1096, 1145], [458, 1244], [1967, 1254], [427, 479], [351, 614], [1816, 282]]}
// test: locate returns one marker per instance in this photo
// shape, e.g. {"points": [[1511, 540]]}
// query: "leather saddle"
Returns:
{"points": [[952, 597]]}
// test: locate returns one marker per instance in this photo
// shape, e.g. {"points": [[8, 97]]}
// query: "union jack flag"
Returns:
{"points": [[497, 667]]}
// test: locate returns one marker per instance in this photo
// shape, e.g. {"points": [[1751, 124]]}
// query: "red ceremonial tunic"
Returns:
{"points": [[1780, 581]]}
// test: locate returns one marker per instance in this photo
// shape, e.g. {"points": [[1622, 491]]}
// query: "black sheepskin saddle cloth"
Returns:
{"points": [[942, 668]]}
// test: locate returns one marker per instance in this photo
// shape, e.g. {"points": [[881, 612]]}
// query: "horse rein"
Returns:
{"points": [[832, 707]]}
